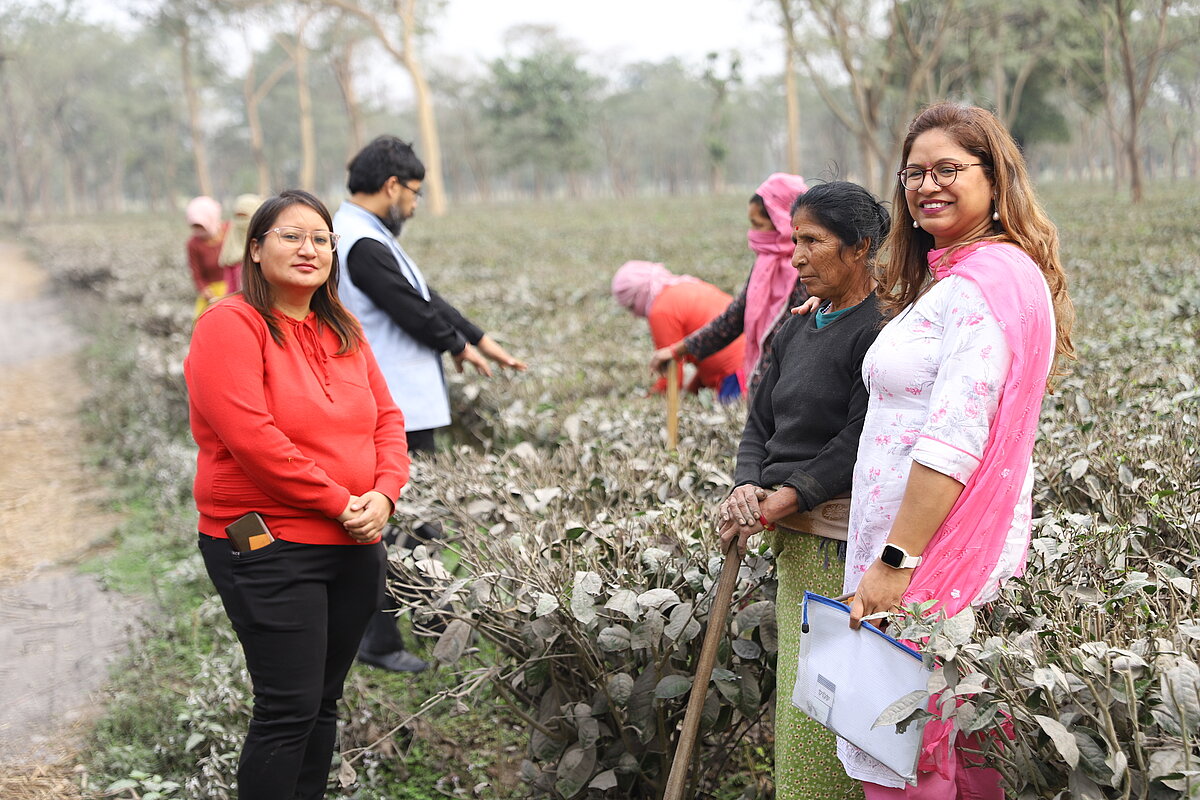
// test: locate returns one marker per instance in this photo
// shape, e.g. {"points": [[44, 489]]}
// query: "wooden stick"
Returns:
{"points": [[673, 405], [717, 617]]}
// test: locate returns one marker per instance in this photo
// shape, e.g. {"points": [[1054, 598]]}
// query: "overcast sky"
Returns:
{"points": [[621, 31], [614, 31]]}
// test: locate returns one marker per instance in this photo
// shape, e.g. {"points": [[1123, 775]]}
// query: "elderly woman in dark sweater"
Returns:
{"points": [[796, 458]]}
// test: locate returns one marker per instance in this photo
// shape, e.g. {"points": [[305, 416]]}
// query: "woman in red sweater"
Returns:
{"points": [[675, 306], [295, 423]]}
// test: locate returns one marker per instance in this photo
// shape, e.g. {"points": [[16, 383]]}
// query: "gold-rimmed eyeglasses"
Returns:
{"points": [[293, 238], [943, 174]]}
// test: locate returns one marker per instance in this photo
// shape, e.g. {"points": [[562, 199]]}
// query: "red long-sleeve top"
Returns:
{"points": [[684, 308], [290, 432]]}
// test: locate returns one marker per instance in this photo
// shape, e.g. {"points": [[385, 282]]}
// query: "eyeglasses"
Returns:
{"points": [[943, 175], [324, 241], [416, 192]]}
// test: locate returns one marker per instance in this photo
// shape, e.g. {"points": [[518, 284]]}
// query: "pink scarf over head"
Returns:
{"points": [[637, 284], [773, 277], [205, 212], [959, 560]]}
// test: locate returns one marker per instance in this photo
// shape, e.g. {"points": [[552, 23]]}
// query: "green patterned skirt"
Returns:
{"points": [[806, 762]]}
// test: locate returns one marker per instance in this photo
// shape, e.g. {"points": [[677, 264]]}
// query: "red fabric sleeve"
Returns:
{"points": [[226, 387]]}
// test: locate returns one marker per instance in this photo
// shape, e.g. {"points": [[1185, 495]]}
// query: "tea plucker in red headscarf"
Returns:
{"points": [[675, 306], [762, 306]]}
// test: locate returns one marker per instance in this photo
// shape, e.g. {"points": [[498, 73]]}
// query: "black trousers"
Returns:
{"points": [[299, 611], [382, 635]]}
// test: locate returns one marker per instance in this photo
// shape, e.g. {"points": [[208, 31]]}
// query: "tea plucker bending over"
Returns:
{"points": [[796, 458]]}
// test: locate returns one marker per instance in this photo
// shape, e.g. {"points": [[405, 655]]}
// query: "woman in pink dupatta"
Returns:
{"points": [[761, 307], [978, 307]]}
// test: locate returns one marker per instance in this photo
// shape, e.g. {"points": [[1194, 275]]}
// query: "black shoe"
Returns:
{"points": [[395, 661]]}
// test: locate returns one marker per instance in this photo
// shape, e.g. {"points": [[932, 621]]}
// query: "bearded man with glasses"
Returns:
{"points": [[408, 325]]}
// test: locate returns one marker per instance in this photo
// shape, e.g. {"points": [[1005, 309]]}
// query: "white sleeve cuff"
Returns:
{"points": [[945, 458]]}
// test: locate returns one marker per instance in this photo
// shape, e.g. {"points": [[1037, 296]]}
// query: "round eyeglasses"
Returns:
{"points": [[324, 241], [943, 175]]}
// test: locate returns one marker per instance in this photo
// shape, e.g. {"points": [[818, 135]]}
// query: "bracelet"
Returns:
{"points": [[767, 526]]}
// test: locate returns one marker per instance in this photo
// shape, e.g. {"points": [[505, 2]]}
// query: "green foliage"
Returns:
{"points": [[540, 104]]}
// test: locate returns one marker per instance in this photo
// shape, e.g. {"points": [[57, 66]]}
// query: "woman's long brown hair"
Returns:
{"points": [[325, 302], [1022, 221]]}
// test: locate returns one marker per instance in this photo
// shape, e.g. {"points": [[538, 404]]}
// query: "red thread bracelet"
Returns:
{"points": [[762, 520]]}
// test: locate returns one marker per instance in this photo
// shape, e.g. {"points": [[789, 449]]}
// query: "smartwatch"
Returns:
{"points": [[897, 557]]}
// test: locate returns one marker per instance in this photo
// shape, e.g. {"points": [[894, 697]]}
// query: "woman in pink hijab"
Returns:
{"points": [[772, 289], [676, 305], [204, 250]]}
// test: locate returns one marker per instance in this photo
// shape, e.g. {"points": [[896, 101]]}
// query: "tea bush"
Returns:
{"points": [[578, 564]]}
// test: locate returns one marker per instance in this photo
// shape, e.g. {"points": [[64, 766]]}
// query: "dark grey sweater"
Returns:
{"points": [[807, 414]]}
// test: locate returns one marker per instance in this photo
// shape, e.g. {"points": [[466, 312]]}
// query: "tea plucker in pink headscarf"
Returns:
{"points": [[942, 490], [762, 306], [204, 250], [674, 306]]}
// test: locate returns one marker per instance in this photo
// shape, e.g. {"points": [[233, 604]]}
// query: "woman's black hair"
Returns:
{"points": [[848, 211], [257, 291]]}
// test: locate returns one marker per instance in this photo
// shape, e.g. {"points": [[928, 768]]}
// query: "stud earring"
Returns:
{"points": [[916, 224]]}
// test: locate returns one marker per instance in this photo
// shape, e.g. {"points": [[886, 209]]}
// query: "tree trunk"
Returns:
{"points": [[791, 91], [254, 123], [426, 122], [341, 61], [12, 131], [199, 148], [308, 137]]}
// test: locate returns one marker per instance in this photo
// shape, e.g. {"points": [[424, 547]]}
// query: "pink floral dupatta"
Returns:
{"points": [[960, 558]]}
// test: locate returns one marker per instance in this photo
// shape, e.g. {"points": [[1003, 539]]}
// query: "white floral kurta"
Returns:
{"points": [[934, 376]]}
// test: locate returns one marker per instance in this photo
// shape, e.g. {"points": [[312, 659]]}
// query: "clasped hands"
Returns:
{"points": [[366, 515], [740, 516]]}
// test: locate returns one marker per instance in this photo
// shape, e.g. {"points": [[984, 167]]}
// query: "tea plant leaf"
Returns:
{"points": [[613, 638], [620, 687], [679, 621], [1064, 741], [672, 686], [452, 642], [647, 633], [575, 768], [973, 683], [625, 602], [750, 695], [958, 629], [604, 781], [753, 615], [657, 598], [583, 608], [728, 684], [903, 708], [547, 604], [1091, 755], [747, 649]]}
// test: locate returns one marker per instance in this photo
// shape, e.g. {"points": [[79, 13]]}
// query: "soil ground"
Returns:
{"points": [[60, 631]]}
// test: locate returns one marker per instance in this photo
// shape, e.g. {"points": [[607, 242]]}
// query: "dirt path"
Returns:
{"points": [[59, 630]]}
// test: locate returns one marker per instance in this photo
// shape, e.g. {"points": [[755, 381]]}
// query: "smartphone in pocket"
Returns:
{"points": [[248, 533]]}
